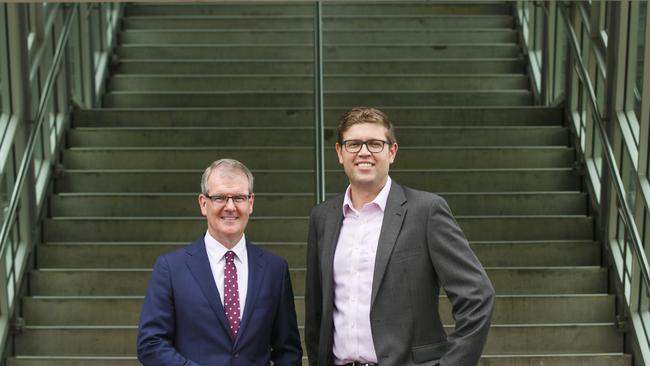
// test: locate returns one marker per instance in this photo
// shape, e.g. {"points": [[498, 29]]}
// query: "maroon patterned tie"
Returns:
{"points": [[231, 294]]}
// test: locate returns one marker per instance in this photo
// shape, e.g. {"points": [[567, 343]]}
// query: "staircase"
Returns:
{"points": [[197, 82]]}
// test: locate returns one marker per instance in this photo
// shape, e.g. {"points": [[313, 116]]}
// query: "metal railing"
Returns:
{"points": [[319, 134], [589, 37], [53, 61]]}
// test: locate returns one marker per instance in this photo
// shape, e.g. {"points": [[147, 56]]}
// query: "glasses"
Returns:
{"points": [[222, 199], [373, 145]]}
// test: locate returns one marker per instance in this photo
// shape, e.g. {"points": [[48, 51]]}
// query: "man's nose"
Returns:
{"points": [[364, 150], [230, 203]]}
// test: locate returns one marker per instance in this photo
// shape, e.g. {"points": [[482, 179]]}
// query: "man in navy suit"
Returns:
{"points": [[221, 300]]}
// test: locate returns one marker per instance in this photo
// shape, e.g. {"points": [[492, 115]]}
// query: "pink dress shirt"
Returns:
{"points": [[354, 264]]}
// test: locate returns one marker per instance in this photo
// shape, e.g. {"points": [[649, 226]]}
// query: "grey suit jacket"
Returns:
{"points": [[420, 249]]}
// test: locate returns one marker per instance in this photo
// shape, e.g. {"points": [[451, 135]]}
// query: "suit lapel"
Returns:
{"points": [[332, 229], [199, 265], [256, 266], [390, 228]]}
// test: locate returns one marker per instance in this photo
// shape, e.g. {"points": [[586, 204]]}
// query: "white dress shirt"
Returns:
{"points": [[216, 256], [354, 265]]}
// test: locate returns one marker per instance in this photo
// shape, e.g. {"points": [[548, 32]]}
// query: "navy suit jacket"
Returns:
{"points": [[183, 321]]}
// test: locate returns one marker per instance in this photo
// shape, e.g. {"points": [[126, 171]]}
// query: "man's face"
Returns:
{"points": [[227, 221], [364, 169]]}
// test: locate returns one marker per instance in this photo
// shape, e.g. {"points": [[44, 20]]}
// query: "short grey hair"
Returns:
{"points": [[229, 165]]}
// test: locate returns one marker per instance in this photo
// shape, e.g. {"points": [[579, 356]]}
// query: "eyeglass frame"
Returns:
{"points": [[228, 197], [345, 146]]}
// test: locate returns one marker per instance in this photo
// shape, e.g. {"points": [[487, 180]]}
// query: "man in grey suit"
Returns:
{"points": [[377, 256]]}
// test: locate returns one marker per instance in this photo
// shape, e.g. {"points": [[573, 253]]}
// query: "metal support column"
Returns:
{"points": [[319, 134], [21, 100], [87, 57]]}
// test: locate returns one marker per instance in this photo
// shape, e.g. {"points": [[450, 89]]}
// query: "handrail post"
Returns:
{"points": [[607, 114], [19, 61], [319, 134], [87, 57], [23, 109], [548, 53]]}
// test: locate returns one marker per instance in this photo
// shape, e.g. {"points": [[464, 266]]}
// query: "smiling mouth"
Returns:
{"points": [[365, 164]]}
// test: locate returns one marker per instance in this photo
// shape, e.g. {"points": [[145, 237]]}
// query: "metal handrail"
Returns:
{"points": [[319, 129], [627, 216], [40, 118]]}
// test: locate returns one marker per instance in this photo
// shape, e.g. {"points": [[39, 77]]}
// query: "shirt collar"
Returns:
{"points": [[380, 200], [217, 251]]}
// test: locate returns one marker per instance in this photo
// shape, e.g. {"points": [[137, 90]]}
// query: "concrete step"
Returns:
{"points": [[163, 205], [597, 359], [600, 359], [339, 10], [302, 157], [538, 253], [176, 205], [144, 229], [107, 282], [343, 21], [303, 136], [292, 228], [548, 280], [505, 339], [291, 35], [304, 66], [130, 255], [544, 339], [133, 282], [331, 52], [142, 255], [75, 361], [94, 311], [303, 116], [305, 98], [197, 83], [430, 49], [188, 158], [300, 181]]}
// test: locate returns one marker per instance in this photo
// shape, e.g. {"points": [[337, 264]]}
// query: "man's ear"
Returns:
{"points": [[203, 204], [252, 202], [339, 152], [392, 152]]}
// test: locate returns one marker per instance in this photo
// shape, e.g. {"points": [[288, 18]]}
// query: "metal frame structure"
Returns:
{"points": [[599, 50], [588, 55], [319, 119], [57, 56]]}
